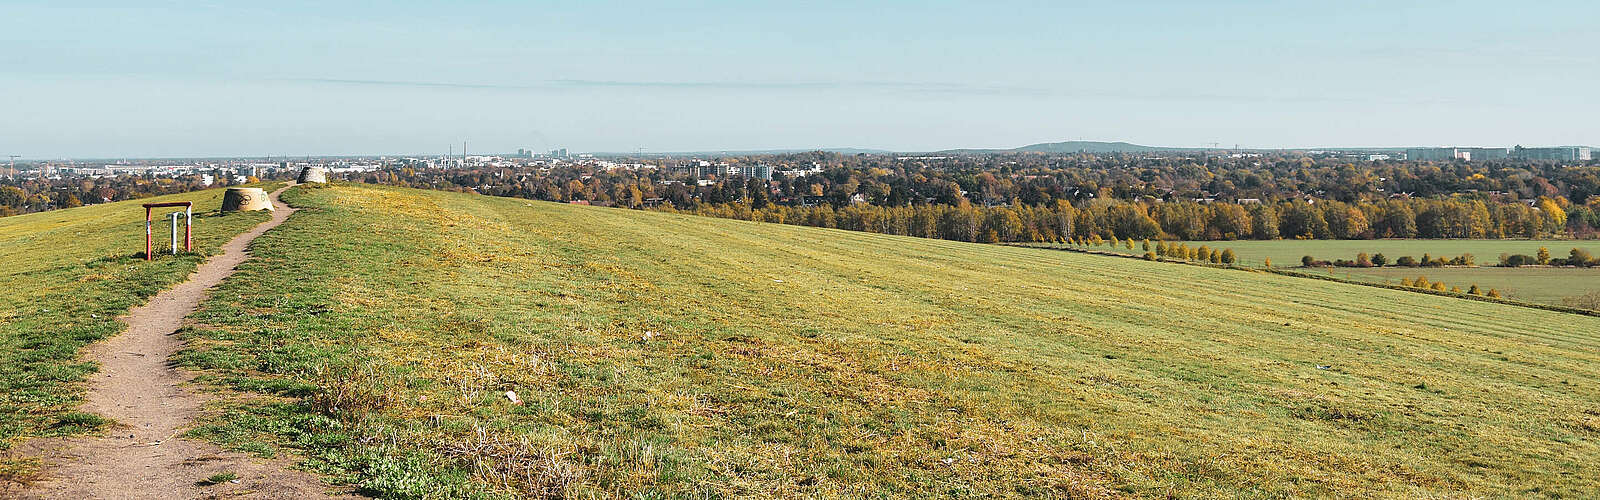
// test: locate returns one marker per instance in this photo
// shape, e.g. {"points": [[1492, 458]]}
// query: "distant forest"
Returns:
{"points": [[1043, 197]]}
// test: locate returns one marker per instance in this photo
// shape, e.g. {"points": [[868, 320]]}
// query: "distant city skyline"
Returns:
{"points": [[167, 79]]}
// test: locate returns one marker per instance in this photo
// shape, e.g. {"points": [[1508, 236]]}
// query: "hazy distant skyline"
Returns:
{"points": [[105, 80]]}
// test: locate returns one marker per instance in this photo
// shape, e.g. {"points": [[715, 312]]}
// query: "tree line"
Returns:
{"points": [[1121, 219], [28, 195]]}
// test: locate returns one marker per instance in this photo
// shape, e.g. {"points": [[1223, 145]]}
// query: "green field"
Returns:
{"points": [[662, 355], [1288, 252], [1547, 285], [67, 275]]}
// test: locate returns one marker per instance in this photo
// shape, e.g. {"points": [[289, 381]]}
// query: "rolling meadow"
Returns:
{"points": [[417, 343]]}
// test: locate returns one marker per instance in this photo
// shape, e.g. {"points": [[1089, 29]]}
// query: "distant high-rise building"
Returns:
{"points": [[1560, 153], [1446, 154], [1437, 154], [1487, 154], [559, 153]]}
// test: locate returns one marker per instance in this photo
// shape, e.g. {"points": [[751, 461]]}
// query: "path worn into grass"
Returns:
{"points": [[142, 456]]}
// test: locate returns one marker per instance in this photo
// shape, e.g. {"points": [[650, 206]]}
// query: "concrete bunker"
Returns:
{"points": [[243, 199], [313, 174]]}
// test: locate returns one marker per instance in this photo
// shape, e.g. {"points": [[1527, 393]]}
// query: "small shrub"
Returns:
{"points": [[1307, 261], [1379, 260], [1518, 260], [1581, 258], [1229, 258], [1438, 287], [1494, 294], [1406, 261], [1149, 256]]}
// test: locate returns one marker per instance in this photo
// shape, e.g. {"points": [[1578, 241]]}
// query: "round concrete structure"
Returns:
{"points": [[242, 199], [313, 174]]}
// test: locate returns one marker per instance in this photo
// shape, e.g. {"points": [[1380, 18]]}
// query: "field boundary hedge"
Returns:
{"points": [[1298, 274]]}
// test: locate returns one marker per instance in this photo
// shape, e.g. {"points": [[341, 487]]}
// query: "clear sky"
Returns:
{"points": [[111, 79]]}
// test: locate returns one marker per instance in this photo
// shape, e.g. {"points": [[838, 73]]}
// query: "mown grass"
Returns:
{"points": [[67, 275], [1546, 285], [661, 355]]}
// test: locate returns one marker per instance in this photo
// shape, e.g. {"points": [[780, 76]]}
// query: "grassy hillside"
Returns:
{"points": [[664, 355], [68, 274]]}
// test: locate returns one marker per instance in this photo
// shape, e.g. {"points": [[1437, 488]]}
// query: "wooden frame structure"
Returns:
{"points": [[188, 227]]}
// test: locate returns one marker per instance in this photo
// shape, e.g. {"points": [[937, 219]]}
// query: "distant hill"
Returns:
{"points": [[750, 152], [1075, 147], [1091, 147]]}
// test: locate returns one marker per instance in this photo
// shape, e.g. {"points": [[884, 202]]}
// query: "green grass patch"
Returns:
{"points": [[218, 478], [660, 355]]}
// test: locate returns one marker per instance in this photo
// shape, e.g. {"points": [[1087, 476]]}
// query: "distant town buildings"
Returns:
{"points": [[1445, 154], [1558, 153], [1561, 153]]}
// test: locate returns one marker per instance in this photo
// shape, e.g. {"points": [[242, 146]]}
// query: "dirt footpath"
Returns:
{"points": [[142, 456]]}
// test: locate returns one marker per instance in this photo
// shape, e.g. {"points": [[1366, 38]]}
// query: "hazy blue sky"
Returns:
{"points": [[104, 79]]}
